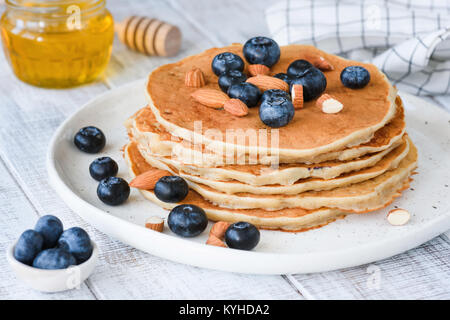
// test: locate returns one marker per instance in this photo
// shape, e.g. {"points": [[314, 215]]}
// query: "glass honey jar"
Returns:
{"points": [[57, 43]]}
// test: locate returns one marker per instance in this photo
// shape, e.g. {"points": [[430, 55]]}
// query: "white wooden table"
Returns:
{"points": [[29, 116]]}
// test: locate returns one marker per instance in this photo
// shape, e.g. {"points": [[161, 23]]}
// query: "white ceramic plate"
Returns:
{"points": [[352, 241]]}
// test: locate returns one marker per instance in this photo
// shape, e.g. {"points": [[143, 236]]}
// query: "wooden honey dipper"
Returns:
{"points": [[149, 36]]}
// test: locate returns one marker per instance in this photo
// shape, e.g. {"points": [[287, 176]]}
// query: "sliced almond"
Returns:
{"points": [[266, 83], [214, 241], [148, 179], [210, 98], [328, 104], [398, 217], [297, 96], [236, 107], [256, 69], [218, 229], [194, 78], [155, 223]]}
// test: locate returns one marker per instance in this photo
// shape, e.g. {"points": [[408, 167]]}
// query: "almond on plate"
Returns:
{"points": [[155, 223], [236, 107], [210, 98], [297, 96], [214, 241], [256, 69], [328, 104], [398, 217], [148, 179], [194, 78], [266, 82], [218, 229]]}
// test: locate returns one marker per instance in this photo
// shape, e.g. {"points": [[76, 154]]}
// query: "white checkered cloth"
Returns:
{"points": [[408, 40]]}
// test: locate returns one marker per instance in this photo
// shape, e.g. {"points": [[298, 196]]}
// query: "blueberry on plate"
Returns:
{"points": [[229, 78], [76, 241], [261, 50], [314, 83], [298, 68], [102, 168], [171, 189], [284, 76], [276, 111], [275, 93], [113, 191], [242, 235], [355, 77], [246, 92], [187, 220], [50, 227], [226, 61], [55, 258], [30, 243], [90, 139]]}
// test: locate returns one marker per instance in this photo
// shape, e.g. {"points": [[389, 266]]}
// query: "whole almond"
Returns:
{"points": [[329, 104], [210, 97], [155, 223], [236, 107], [148, 179], [194, 78], [255, 69], [297, 96], [219, 228], [214, 241], [266, 82], [319, 62]]}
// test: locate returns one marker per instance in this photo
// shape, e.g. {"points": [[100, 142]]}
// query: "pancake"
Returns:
{"points": [[310, 133]]}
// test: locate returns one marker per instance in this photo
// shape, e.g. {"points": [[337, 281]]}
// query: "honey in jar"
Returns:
{"points": [[57, 43]]}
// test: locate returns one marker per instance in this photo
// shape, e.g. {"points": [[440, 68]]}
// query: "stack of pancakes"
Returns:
{"points": [[317, 168]]}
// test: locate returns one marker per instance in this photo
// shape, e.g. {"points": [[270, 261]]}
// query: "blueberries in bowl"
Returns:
{"points": [[76, 241], [242, 235], [113, 191], [229, 78], [355, 77], [284, 76], [298, 68], [102, 168], [276, 110], [261, 50], [313, 81], [226, 61], [275, 93], [171, 189], [246, 92], [90, 139], [50, 228], [28, 246], [54, 258], [187, 220]]}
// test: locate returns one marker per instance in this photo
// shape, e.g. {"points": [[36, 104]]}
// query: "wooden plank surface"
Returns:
{"points": [[29, 116]]}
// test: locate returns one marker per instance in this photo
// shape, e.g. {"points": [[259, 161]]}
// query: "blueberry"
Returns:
{"points": [[55, 258], [90, 139], [276, 111], [314, 83], [261, 50], [28, 246], [102, 168], [284, 76], [113, 191], [229, 78], [187, 220], [246, 92], [76, 241], [242, 235], [226, 61], [275, 93], [355, 77], [298, 68], [50, 227], [171, 189]]}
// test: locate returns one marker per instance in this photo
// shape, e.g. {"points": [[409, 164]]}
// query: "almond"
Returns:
{"points": [[214, 241], [320, 63], [148, 179], [236, 107], [266, 82], [218, 229], [328, 104], [255, 69], [155, 223], [194, 78], [210, 98], [398, 217], [297, 96]]}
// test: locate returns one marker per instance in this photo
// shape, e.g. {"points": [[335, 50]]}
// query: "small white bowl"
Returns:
{"points": [[53, 280]]}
